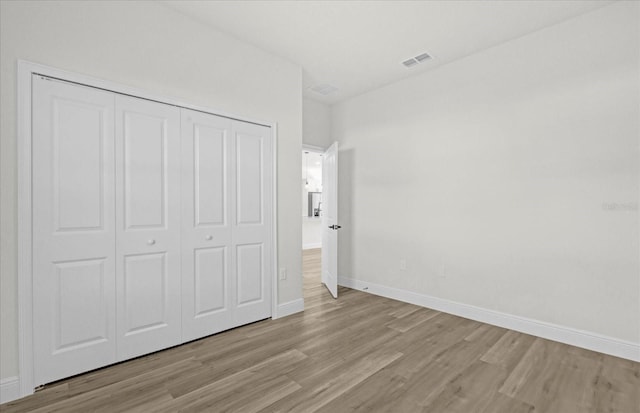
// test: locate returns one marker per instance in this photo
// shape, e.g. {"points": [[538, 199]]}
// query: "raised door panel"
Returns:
{"points": [[249, 178], [146, 292], [148, 226], [80, 318], [145, 169], [207, 211], [210, 175], [250, 273], [78, 180], [73, 229], [210, 278]]}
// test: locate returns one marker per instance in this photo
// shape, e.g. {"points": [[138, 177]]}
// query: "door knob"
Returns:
{"points": [[209, 237], [334, 227], [151, 242]]}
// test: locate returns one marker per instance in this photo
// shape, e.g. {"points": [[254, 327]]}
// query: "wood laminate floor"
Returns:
{"points": [[358, 353]]}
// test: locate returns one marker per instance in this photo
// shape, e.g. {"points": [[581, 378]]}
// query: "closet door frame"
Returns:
{"points": [[25, 71]]}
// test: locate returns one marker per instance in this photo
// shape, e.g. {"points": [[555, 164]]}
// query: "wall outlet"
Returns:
{"points": [[403, 264], [283, 274]]}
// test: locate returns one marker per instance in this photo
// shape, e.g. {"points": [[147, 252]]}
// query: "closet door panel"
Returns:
{"points": [[145, 170], [210, 279], [148, 226], [209, 161], [250, 273], [207, 211], [79, 180], [145, 284], [79, 318], [252, 167], [73, 229], [250, 179]]}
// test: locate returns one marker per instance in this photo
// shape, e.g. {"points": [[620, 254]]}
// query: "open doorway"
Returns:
{"points": [[320, 213], [311, 199], [311, 181]]}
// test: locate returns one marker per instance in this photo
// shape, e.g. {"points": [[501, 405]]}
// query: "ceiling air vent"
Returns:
{"points": [[410, 62], [422, 57], [323, 89], [416, 60]]}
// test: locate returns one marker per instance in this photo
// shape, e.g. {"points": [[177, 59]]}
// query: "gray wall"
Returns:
{"points": [[513, 172], [316, 123]]}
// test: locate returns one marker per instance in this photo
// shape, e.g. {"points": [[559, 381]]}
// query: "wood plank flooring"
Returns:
{"points": [[357, 353]]}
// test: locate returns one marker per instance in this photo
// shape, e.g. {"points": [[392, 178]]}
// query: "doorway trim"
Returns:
{"points": [[25, 71], [313, 148]]}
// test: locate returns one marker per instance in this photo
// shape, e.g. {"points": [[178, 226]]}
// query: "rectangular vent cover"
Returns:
{"points": [[416, 60], [410, 62], [422, 57], [323, 89]]}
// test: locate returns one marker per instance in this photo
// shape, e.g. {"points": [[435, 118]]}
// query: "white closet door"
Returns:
{"points": [[73, 230], [147, 225], [207, 214], [251, 175]]}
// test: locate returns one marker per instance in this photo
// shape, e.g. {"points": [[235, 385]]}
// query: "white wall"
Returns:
{"points": [[311, 232], [500, 171], [316, 123], [148, 46]]}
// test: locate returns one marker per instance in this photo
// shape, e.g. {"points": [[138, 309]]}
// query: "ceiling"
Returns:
{"points": [[357, 46]]}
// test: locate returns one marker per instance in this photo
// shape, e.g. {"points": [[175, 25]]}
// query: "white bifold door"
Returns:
{"points": [[74, 249], [151, 226], [147, 143], [226, 258]]}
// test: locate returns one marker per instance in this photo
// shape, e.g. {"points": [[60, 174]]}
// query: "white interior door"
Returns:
{"points": [[147, 174], [330, 219], [207, 216], [251, 240], [73, 229]]}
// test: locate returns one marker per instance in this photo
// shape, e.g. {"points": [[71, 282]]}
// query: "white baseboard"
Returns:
{"points": [[311, 246], [291, 307], [567, 335], [9, 389]]}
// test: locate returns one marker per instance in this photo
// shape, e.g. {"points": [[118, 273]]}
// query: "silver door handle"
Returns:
{"points": [[209, 237], [151, 242]]}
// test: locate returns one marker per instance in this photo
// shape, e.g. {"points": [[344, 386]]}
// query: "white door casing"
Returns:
{"points": [[330, 219], [147, 176], [74, 317]]}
